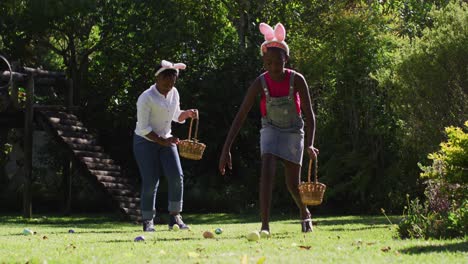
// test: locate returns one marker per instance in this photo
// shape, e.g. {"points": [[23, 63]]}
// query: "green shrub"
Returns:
{"points": [[445, 211]]}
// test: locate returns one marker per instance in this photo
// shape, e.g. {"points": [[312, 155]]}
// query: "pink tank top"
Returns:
{"points": [[279, 89]]}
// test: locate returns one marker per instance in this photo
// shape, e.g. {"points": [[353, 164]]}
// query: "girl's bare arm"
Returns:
{"points": [[249, 100]]}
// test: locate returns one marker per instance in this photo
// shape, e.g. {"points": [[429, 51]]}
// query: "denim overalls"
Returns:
{"points": [[282, 132]]}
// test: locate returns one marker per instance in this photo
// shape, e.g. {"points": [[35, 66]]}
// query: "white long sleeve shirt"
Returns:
{"points": [[156, 112]]}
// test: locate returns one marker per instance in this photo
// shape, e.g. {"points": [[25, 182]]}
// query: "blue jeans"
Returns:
{"points": [[155, 160]]}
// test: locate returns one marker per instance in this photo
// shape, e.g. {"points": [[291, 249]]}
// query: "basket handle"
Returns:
{"points": [[196, 128], [314, 163]]}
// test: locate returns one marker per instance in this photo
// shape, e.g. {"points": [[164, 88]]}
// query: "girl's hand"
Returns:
{"points": [[224, 160], [170, 141], [192, 113], [313, 152]]}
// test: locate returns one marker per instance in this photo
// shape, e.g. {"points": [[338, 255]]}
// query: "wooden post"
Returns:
{"points": [[28, 145], [14, 87], [67, 185], [14, 94], [69, 99]]}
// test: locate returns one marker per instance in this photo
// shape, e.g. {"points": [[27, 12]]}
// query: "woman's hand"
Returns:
{"points": [[224, 160], [313, 152], [191, 113], [169, 141]]}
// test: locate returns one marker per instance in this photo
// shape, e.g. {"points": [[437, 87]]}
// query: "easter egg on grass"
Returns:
{"points": [[28, 232], [253, 236], [219, 231], [175, 227], [208, 234], [139, 239]]}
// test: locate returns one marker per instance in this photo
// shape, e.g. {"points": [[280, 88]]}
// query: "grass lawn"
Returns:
{"points": [[103, 239]]}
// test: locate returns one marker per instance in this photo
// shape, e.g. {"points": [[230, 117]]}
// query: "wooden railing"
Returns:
{"points": [[28, 77]]}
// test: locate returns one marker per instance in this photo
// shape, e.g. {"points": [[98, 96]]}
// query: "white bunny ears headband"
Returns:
{"points": [[167, 65], [273, 37]]}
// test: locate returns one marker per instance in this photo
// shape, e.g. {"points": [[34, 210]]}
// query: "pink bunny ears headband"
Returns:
{"points": [[167, 65], [273, 37]]}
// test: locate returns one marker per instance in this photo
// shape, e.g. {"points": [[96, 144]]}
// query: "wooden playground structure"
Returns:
{"points": [[82, 147]]}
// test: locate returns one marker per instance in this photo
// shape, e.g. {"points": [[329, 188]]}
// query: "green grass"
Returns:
{"points": [[102, 239]]}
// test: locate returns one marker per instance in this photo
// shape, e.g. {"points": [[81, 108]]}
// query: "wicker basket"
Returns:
{"points": [[312, 192], [191, 148]]}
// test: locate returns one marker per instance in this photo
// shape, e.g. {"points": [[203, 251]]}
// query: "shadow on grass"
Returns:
{"points": [[91, 220], [353, 220], [340, 229], [455, 247], [200, 219], [229, 218], [106, 221], [65, 232]]}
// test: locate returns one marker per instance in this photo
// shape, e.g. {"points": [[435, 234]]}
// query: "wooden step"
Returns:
{"points": [[107, 173], [114, 185], [124, 190], [61, 115], [73, 140], [92, 154], [127, 199], [70, 128], [121, 192], [98, 160], [102, 166], [129, 205], [63, 121], [75, 134], [85, 147], [111, 179]]}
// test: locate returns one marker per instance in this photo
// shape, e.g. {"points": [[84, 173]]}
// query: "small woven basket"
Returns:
{"points": [[191, 148], [312, 192]]}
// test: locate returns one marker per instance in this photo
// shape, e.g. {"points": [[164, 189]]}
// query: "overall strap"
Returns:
{"points": [[291, 85], [265, 87]]}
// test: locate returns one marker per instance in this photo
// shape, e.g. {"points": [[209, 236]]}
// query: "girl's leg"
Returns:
{"points": [[175, 178], [293, 178], [266, 188], [146, 155]]}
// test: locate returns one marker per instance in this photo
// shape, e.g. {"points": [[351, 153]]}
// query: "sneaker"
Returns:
{"points": [[148, 226], [177, 220], [306, 225]]}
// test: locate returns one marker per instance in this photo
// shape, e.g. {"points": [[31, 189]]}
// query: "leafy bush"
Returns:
{"points": [[445, 211]]}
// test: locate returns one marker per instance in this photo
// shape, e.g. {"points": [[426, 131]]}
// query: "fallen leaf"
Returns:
{"points": [[44, 237], [386, 249], [305, 247], [261, 260]]}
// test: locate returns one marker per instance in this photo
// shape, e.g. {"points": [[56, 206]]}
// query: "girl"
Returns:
{"points": [[154, 146], [284, 98]]}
